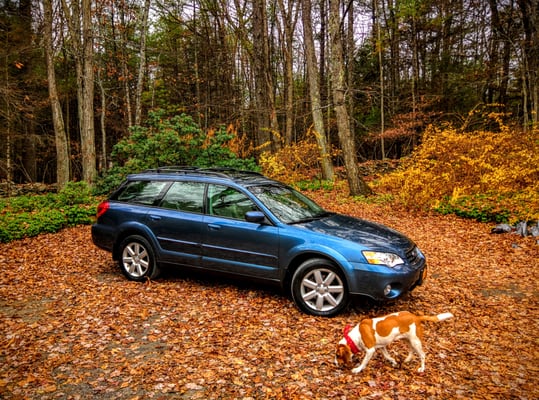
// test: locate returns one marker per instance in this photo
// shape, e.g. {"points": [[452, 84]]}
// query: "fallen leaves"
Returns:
{"points": [[73, 327]]}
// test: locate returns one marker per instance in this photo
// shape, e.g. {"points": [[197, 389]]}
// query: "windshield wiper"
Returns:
{"points": [[313, 218]]}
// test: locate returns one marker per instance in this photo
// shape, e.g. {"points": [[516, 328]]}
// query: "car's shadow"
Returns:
{"points": [[359, 306], [218, 280]]}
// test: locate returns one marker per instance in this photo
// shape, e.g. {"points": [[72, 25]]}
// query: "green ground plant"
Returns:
{"points": [[31, 215]]}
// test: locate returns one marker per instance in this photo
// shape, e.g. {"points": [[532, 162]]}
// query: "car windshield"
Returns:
{"points": [[287, 204]]}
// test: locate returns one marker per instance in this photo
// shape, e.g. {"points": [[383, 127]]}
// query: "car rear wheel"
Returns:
{"points": [[319, 288], [137, 259]]}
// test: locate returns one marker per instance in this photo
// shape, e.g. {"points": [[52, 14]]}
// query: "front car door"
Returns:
{"points": [[232, 244]]}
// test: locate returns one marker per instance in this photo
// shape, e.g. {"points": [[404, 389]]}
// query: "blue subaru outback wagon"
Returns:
{"points": [[245, 224]]}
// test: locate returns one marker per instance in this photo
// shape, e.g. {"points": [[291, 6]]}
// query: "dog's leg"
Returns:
{"points": [[368, 355], [416, 345], [410, 353], [388, 356]]}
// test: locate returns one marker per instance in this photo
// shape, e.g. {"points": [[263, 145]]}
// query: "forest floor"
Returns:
{"points": [[72, 327]]}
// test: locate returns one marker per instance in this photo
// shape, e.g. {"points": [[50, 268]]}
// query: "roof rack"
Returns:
{"points": [[222, 172], [232, 171]]}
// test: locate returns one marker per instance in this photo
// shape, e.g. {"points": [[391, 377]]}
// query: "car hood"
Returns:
{"points": [[367, 233]]}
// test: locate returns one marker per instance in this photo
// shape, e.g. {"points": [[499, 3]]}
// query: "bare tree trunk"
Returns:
{"points": [[314, 92], [7, 113], [125, 69], [102, 122], [289, 19], [29, 158], [80, 29], [415, 69], [89, 171], [379, 48], [260, 63], [265, 98], [62, 149], [500, 48], [349, 60], [142, 64], [530, 60], [18, 119], [324, 80], [346, 136], [394, 48]]}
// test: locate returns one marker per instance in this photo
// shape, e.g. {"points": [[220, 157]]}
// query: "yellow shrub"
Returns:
{"points": [[293, 163], [500, 169]]}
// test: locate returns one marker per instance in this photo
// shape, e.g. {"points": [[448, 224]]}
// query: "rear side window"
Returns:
{"points": [[141, 192], [185, 196]]}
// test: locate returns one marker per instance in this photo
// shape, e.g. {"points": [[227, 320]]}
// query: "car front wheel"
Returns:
{"points": [[319, 288], [137, 259]]}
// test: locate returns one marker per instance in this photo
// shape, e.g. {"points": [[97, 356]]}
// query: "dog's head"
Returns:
{"points": [[343, 356]]}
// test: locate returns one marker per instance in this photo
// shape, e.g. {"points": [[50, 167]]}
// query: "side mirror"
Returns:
{"points": [[257, 217]]}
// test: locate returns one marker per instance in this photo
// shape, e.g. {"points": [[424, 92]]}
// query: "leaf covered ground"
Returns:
{"points": [[72, 327]]}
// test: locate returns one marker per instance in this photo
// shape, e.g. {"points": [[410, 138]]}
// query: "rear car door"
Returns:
{"points": [[232, 244], [177, 223]]}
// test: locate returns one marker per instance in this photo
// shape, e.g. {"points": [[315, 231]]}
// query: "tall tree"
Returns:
{"points": [[29, 163], [287, 24], [124, 61], [338, 80], [142, 61], [264, 78], [349, 51], [9, 104], [314, 91], [530, 60], [499, 53], [20, 91], [379, 50], [79, 18], [62, 149]]}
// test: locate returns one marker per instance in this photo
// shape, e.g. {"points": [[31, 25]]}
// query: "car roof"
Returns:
{"points": [[242, 177]]}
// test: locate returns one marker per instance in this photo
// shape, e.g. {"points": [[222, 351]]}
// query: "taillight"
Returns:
{"points": [[102, 208]]}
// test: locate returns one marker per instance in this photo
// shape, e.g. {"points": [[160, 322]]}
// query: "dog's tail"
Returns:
{"points": [[436, 318]]}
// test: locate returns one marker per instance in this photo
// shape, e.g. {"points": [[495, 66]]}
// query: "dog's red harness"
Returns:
{"points": [[350, 342]]}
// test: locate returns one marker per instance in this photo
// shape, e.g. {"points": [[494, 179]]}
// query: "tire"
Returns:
{"points": [[137, 259], [318, 288]]}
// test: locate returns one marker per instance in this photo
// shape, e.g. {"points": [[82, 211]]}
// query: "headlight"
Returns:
{"points": [[379, 258]]}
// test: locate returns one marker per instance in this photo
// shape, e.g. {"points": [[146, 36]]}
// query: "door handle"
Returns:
{"points": [[155, 217], [214, 227]]}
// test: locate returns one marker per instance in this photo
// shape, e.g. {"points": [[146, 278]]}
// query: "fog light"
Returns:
{"points": [[387, 290]]}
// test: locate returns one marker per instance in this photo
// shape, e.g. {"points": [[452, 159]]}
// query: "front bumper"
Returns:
{"points": [[383, 283]]}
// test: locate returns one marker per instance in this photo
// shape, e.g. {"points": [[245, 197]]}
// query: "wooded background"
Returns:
{"points": [[363, 76]]}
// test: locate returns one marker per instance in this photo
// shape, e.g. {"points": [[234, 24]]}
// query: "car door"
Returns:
{"points": [[232, 244], [177, 223]]}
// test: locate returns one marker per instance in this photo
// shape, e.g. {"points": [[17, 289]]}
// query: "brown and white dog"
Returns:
{"points": [[377, 333]]}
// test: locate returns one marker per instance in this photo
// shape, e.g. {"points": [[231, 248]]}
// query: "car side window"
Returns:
{"points": [[141, 192], [185, 196], [228, 202]]}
